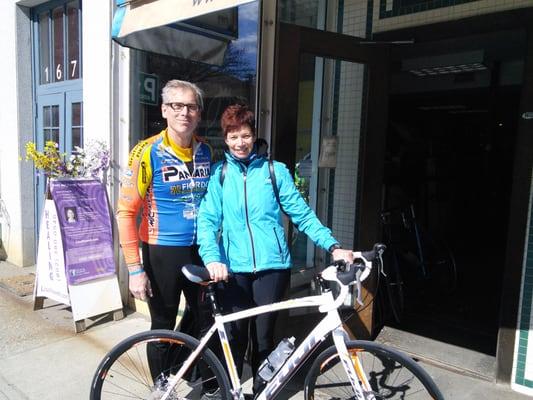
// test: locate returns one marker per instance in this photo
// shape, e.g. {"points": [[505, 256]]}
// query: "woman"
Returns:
{"points": [[253, 246]]}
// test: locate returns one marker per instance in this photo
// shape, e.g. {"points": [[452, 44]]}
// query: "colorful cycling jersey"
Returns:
{"points": [[159, 181]]}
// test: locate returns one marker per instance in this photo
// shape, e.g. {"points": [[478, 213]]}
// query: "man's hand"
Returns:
{"points": [[342, 254], [217, 271], [140, 286]]}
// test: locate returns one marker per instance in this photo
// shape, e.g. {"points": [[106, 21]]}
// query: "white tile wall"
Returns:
{"points": [[349, 129]]}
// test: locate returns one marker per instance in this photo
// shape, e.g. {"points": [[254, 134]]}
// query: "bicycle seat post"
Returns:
{"points": [[211, 295]]}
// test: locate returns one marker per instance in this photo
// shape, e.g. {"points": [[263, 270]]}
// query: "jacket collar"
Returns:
{"points": [[165, 144]]}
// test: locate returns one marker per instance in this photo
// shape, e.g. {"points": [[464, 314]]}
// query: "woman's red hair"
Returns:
{"points": [[235, 116]]}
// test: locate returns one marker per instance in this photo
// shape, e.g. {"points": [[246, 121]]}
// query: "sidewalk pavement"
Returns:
{"points": [[42, 358]]}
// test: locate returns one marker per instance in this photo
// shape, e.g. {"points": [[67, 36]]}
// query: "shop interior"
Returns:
{"points": [[453, 114]]}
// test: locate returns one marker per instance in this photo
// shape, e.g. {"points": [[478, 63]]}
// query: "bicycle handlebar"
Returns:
{"points": [[344, 274], [351, 274]]}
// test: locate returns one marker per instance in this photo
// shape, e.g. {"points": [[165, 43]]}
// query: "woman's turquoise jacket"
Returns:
{"points": [[240, 222]]}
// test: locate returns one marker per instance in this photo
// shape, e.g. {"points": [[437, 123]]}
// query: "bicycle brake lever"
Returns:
{"points": [[358, 299]]}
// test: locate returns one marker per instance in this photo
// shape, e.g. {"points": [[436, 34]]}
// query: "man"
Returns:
{"points": [[166, 177]]}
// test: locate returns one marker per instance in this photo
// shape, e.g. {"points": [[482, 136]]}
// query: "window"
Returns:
{"points": [[57, 79], [59, 30]]}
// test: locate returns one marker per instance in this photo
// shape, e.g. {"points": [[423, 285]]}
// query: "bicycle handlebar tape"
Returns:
{"points": [[348, 276]]}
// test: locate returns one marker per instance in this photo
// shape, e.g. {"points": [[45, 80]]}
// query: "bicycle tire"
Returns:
{"points": [[390, 374], [394, 286], [124, 372]]}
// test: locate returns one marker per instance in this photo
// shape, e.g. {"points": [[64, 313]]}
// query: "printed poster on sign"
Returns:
{"points": [[50, 274], [85, 222]]}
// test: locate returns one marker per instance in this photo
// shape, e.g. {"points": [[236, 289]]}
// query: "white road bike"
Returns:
{"points": [[349, 369]]}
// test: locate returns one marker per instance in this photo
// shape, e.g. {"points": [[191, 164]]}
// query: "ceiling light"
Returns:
{"points": [[451, 63]]}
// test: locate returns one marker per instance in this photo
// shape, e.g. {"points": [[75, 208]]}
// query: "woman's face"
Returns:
{"points": [[240, 141]]}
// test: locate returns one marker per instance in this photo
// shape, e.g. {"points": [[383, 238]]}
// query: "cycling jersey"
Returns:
{"points": [[159, 181]]}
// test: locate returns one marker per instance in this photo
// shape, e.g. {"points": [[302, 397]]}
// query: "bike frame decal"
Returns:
{"points": [[339, 337], [228, 356], [330, 322]]}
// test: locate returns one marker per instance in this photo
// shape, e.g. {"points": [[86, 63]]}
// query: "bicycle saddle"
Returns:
{"points": [[196, 274]]}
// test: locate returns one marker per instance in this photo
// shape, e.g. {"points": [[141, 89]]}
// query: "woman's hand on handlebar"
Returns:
{"points": [[342, 254], [218, 271]]}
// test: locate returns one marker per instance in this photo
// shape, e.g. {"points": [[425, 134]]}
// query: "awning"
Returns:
{"points": [[147, 25]]}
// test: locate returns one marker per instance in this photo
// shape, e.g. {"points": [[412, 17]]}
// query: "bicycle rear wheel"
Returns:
{"points": [[125, 372], [389, 373]]}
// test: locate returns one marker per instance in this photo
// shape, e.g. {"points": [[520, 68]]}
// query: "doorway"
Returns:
{"points": [[451, 147], [451, 156]]}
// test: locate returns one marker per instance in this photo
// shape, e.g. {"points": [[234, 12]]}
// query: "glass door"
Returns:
{"points": [[328, 100], [330, 116], [328, 133], [50, 127], [59, 119]]}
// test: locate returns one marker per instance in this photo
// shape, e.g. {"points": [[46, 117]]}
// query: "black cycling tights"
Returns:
{"points": [[250, 290], [163, 266]]}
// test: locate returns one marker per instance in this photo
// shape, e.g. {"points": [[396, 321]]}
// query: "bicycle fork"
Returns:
{"points": [[352, 367]]}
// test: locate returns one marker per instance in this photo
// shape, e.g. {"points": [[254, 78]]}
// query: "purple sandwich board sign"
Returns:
{"points": [[85, 223], [75, 260]]}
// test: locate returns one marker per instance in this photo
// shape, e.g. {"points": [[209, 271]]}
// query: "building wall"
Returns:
{"points": [[17, 108], [523, 352], [385, 23], [97, 110]]}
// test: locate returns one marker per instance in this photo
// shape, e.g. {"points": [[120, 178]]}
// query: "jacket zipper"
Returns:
{"points": [[248, 221], [279, 244], [192, 194]]}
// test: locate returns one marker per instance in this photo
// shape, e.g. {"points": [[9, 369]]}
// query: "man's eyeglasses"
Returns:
{"points": [[177, 107]]}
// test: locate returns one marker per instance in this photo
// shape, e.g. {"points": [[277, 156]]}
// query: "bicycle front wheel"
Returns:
{"points": [[394, 285], [384, 374], [131, 370]]}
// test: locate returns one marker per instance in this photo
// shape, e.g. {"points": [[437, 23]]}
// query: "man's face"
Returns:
{"points": [[182, 122]]}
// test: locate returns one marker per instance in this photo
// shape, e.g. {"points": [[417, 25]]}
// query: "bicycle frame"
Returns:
{"points": [[330, 323]]}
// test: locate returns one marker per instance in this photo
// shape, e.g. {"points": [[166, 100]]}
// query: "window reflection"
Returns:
{"points": [[44, 47], [233, 81], [58, 51], [298, 12], [51, 123], [77, 124], [73, 44]]}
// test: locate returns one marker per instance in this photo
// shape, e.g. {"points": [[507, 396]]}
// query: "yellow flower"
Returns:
{"points": [[50, 161]]}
